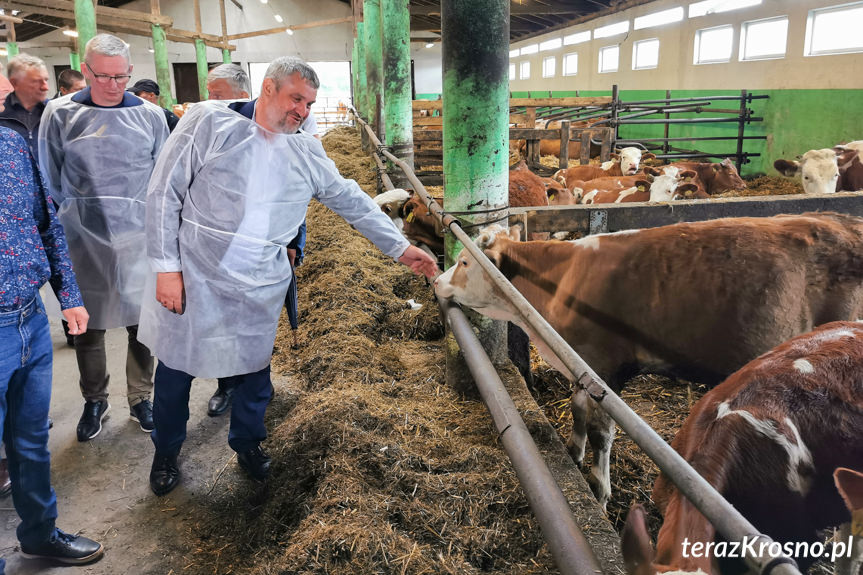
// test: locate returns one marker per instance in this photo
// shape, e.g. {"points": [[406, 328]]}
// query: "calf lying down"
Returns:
{"points": [[780, 439]]}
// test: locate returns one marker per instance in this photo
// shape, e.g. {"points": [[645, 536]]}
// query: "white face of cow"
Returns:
{"points": [[818, 170], [630, 158], [467, 284], [664, 188]]}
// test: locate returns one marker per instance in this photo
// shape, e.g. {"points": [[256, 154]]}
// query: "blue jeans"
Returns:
{"points": [[252, 393], [26, 357]]}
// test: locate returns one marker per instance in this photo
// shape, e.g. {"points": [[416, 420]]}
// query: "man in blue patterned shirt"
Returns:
{"points": [[32, 251]]}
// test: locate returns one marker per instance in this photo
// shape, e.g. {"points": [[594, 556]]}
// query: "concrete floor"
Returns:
{"points": [[102, 485]]}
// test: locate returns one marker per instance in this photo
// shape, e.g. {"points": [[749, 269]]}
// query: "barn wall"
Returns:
{"points": [[330, 43]]}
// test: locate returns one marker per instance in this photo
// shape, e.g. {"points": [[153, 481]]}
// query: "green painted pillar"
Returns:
{"points": [[398, 114], [475, 139], [11, 49], [163, 71], [354, 78], [85, 22], [374, 64], [201, 58], [75, 61], [362, 79], [226, 56]]}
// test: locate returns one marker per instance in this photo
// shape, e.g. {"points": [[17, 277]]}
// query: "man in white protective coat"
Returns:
{"points": [[97, 149], [228, 193]]}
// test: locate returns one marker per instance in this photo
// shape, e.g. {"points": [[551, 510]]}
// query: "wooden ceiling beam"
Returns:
{"points": [[104, 11], [281, 29]]}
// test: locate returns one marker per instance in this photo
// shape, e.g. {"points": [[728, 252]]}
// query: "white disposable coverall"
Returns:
{"points": [[225, 199], [96, 163]]}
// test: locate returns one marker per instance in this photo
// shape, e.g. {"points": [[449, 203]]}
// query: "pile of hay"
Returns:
{"points": [[378, 466]]}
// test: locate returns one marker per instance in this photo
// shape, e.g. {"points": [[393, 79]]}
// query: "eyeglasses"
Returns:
{"points": [[106, 78]]}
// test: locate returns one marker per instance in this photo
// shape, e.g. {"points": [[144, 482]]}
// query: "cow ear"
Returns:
{"points": [[688, 187], [850, 486], [615, 156], [787, 167], [642, 185], [638, 554], [844, 159], [651, 171], [687, 175], [648, 156]]}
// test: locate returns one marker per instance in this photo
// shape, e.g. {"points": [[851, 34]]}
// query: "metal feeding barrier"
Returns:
{"points": [[562, 541]]}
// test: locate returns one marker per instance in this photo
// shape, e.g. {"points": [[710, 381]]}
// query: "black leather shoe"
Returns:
{"points": [[142, 412], [255, 462], [220, 401], [66, 548], [164, 474], [90, 423]]}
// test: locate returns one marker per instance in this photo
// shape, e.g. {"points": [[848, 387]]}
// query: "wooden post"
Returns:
{"points": [[226, 54], [563, 162], [11, 42], [200, 55]]}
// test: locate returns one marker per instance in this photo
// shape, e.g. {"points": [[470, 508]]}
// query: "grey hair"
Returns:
{"points": [[107, 45], [285, 66], [233, 74], [23, 62]]}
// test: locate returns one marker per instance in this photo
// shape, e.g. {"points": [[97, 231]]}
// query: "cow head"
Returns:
{"points": [[391, 203], [725, 177], [467, 284], [563, 197], [818, 169], [630, 158]]}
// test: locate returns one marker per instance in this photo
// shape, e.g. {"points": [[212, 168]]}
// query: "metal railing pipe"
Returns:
{"points": [[571, 551]]}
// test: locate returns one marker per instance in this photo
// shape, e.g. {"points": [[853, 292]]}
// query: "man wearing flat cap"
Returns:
{"points": [[147, 89]]}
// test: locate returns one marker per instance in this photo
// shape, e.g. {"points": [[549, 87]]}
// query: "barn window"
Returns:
{"points": [[570, 64], [524, 71], [548, 66], [514, 53], [529, 49], [645, 54], [576, 38], [512, 71], [719, 6], [609, 56], [713, 45], [764, 39], [659, 18], [550, 44], [611, 29], [834, 30]]}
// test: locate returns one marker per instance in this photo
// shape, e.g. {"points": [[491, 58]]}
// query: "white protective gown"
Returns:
{"points": [[225, 199], [96, 163]]}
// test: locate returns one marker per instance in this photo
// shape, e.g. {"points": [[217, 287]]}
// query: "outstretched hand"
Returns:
{"points": [[419, 262]]}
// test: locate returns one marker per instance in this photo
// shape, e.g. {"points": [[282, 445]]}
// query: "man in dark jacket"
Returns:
{"points": [[149, 90], [22, 110]]}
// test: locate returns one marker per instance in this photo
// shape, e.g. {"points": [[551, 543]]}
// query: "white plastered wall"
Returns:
{"points": [[676, 69]]}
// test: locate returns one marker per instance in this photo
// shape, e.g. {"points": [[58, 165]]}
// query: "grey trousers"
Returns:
{"points": [[92, 366]]}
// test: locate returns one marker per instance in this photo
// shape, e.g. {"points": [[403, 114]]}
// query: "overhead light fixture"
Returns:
{"points": [[72, 33], [3, 52], [289, 32], [151, 51], [263, 1], [279, 19], [430, 45]]}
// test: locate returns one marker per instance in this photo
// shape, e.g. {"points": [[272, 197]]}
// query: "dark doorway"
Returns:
{"points": [[186, 81], [57, 69]]}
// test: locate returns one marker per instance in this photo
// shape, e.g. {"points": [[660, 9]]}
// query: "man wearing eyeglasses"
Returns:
{"points": [[97, 151]]}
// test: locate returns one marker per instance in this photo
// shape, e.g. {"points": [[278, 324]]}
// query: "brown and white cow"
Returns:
{"points": [[626, 162], [625, 303], [712, 178], [828, 170], [768, 439], [663, 188], [525, 187], [391, 203]]}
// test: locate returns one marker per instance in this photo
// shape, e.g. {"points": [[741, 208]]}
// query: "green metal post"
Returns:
{"points": [[226, 56], [475, 139], [163, 72], [362, 79], [11, 49], [201, 58], [398, 114], [75, 61], [85, 22], [374, 64]]}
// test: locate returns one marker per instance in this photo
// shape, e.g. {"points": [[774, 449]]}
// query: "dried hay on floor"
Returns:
{"points": [[766, 186], [378, 467]]}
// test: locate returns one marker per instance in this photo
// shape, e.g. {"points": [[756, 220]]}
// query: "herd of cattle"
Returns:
{"points": [[782, 437]]}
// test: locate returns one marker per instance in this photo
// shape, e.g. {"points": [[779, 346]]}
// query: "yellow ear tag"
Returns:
{"points": [[640, 188], [551, 198], [410, 217]]}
